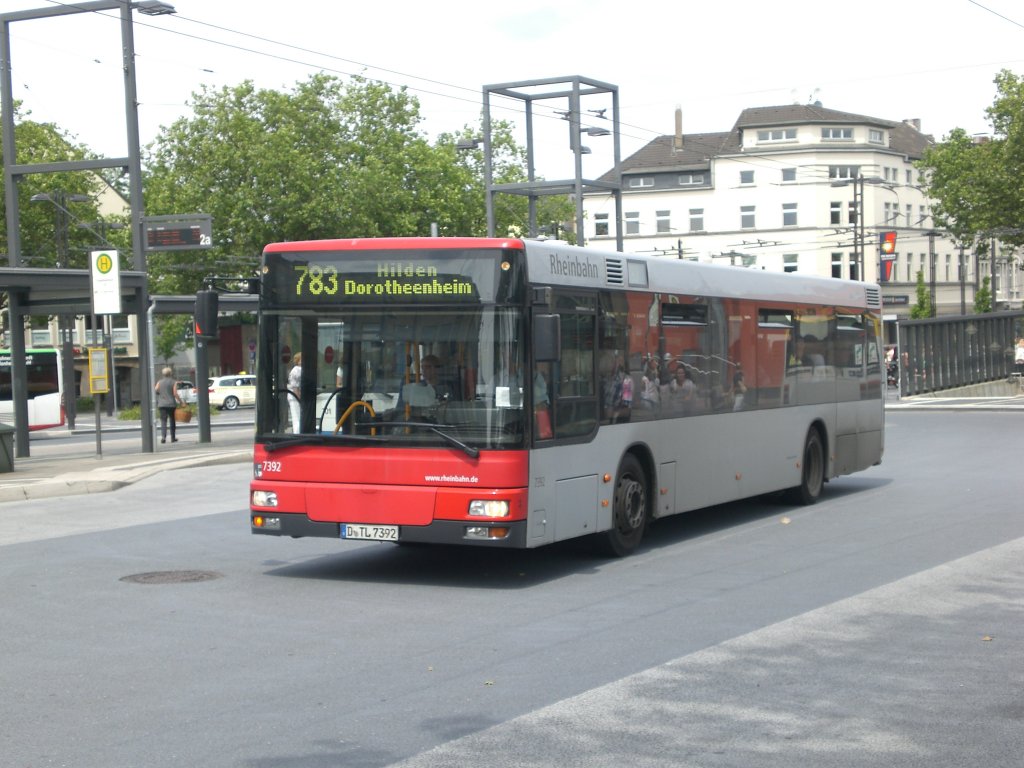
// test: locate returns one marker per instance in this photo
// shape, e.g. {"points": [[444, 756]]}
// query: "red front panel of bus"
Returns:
{"points": [[389, 486]]}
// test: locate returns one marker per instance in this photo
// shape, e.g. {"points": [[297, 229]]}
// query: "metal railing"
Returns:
{"points": [[947, 352]]}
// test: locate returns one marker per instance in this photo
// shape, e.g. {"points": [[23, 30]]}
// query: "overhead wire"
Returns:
{"points": [[472, 95]]}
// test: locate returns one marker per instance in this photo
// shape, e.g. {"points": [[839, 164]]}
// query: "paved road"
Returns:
{"points": [[881, 627]]}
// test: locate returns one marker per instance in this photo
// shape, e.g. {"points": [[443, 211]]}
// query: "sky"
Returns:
{"points": [[933, 60]]}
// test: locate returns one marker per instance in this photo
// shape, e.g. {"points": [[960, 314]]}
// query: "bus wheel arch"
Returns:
{"points": [[631, 505], [813, 468]]}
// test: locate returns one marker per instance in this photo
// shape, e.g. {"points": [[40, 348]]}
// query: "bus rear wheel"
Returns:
{"points": [[629, 510], [812, 476]]}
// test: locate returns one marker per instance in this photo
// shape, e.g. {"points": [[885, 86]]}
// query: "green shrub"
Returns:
{"points": [[132, 413]]}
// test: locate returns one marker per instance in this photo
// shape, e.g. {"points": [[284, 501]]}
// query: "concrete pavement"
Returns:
{"points": [[64, 464]]}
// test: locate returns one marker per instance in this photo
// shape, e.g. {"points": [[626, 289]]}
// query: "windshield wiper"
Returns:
{"points": [[435, 428], [300, 440]]}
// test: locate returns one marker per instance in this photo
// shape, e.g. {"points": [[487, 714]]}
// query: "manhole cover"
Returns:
{"points": [[171, 577]]}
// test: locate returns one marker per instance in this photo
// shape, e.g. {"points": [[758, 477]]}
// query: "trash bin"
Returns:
{"points": [[6, 448]]}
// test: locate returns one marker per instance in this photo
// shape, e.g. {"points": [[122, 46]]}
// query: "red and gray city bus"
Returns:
{"points": [[45, 380], [514, 393]]}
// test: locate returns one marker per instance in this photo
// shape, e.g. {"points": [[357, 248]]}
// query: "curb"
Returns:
{"points": [[102, 480]]}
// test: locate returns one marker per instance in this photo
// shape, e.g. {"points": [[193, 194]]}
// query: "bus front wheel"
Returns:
{"points": [[629, 510], [812, 472]]}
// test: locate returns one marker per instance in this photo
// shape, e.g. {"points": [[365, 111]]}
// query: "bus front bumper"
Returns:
{"points": [[510, 534]]}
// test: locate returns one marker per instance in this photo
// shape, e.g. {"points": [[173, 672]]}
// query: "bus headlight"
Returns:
{"points": [[264, 499], [488, 508]]}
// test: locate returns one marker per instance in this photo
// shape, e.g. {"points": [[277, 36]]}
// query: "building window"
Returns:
{"points": [[789, 214], [747, 216], [835, 212], [949, 267], [851, 213], [910, 177], [892, 213], [836, 133], [663, 221], [910, 214], [633, 223], [923, 215], [875, 136], [600, 224], [696, 219], [789, 262], [843, 171], [638, 182], [690, 179], [837, 265], [788, 174], [746, 177], [777, 134]]}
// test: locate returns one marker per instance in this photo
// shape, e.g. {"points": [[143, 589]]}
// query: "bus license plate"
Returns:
{"points": [[369, 532]]}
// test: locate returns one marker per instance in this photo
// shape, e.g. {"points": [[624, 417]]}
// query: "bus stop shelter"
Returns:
{"points": [[68, 291], [53, 292]]}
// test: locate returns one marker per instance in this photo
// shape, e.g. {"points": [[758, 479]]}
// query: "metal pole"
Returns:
{"points": [[963, 282], [931, 269], [993, 271], [10, 182], [96, 400], [202, 390], [138, 234], [860, 228], [488, 170]]}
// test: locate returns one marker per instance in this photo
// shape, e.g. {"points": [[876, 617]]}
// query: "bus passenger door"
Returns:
{"points": [[571, 384]]}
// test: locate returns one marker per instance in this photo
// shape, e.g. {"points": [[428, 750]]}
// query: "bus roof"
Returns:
{"points": [[560, 263], [390, 243]]}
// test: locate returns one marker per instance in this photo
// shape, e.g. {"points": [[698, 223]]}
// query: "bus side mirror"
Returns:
{"points": [[547, 338]]}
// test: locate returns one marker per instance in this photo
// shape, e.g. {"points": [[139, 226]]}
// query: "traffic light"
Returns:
{"points": [[206, 314], [887, 241]]}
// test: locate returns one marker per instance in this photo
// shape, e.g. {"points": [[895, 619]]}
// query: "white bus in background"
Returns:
{"points": [[45, 382]]}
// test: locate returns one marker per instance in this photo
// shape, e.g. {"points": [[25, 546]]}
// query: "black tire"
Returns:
{"points": [[630, 510], [231, 402], [812, 472]]}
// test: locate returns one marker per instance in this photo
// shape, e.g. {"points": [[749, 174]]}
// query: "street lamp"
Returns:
{"points": [[12, 172], [153, 7], [859, 239], [60, 200]]}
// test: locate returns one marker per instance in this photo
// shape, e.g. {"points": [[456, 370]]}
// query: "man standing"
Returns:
{"points": [[167, 399]]}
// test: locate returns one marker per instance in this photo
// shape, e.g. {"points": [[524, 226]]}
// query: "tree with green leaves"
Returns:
{"points": [[923, 306], [51, 237], [976, 185], [983, 297], [326, 159]]}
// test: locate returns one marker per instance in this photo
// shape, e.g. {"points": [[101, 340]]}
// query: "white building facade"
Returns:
{"points": [[780, 192]]}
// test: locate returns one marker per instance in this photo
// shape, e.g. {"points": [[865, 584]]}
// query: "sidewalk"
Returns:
{"points": [[65, 462]]}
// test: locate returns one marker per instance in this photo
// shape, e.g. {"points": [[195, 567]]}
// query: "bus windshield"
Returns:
{"points": [[430, 376]]}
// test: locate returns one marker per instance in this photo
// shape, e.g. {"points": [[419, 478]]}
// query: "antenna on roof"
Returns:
{"points": [[677, 141]]}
